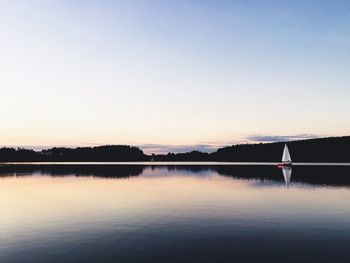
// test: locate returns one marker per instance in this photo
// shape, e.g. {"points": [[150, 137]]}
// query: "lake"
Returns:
{"points": [[174, 213]]}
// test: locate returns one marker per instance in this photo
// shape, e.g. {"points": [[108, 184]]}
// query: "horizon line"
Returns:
{"points": [[150, 149]]}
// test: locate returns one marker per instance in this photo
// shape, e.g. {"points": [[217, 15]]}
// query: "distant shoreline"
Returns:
{"points": [[165, 163], [319, 150]]}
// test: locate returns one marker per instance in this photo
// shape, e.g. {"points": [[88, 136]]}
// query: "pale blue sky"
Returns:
{"points": [[172, 73]]}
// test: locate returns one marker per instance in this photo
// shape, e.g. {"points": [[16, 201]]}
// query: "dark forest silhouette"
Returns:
{"points": [[107, 153], [332, 149]]}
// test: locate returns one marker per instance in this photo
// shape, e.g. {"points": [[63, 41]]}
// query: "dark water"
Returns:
{"points": [[95, 213]]}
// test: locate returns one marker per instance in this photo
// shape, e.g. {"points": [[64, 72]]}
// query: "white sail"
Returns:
{"points": [[286, 156]]}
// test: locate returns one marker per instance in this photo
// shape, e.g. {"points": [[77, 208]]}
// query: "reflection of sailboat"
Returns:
{"points": [[287, 173], [286, 159]]}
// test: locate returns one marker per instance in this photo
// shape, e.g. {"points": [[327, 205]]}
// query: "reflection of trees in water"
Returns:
{"points": [[105, 171], [190, 168], [326, 175], [314, 175]]}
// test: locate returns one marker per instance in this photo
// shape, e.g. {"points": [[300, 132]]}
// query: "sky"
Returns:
{"points": [[172, 75]]}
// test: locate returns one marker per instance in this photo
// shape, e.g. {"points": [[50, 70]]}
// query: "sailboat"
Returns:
{"points": [[286, 160]]}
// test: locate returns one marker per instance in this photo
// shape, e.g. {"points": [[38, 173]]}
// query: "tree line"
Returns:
{"points": [[331, 149]]}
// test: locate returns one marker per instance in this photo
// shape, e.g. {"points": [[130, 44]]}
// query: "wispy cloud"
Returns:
{"points": [[279, 138]]}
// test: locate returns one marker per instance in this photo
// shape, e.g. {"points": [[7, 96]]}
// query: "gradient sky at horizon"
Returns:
{"points": [[172, 73]]}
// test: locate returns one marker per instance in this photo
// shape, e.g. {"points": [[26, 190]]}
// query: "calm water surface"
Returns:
{"points": [[196, 213]]}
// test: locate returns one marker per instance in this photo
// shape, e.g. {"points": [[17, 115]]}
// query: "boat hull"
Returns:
{"points": [[283, 165]]}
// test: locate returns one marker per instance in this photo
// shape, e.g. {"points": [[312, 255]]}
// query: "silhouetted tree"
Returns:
{"points": [[333, 149]]}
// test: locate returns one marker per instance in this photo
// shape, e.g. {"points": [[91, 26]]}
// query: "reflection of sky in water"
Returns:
{"points": [[59, 215]]}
